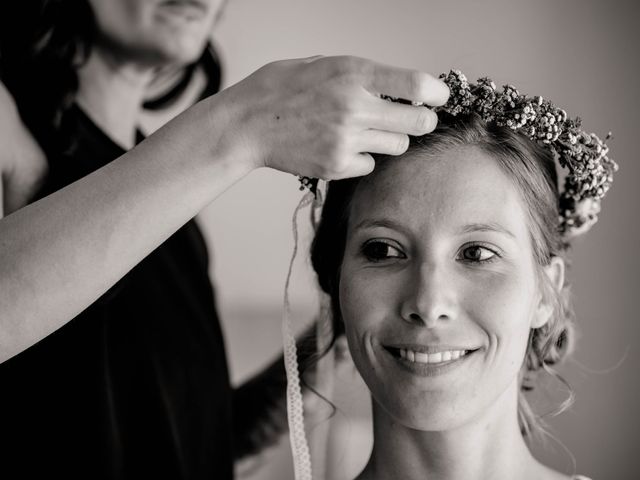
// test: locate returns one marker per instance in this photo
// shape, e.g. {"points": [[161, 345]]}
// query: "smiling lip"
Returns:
{"points": [[428, 361], [428, 348]]}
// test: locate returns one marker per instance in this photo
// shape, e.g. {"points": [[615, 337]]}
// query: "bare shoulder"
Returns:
{"points": [[23, 165]]}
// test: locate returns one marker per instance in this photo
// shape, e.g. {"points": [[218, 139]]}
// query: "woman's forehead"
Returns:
{"points": [[449, 189]]}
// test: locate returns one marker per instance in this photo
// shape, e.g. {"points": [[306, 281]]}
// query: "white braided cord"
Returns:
{"points": [[295, 409]]}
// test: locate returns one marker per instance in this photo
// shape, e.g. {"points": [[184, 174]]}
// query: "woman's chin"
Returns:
{"points": [[183, 52], [426, 415]]}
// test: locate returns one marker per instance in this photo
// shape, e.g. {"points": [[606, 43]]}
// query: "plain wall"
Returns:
{"points": [[580, 54]]}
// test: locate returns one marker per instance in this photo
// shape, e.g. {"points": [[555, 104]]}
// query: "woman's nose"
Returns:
{"points": [[429, 296]]}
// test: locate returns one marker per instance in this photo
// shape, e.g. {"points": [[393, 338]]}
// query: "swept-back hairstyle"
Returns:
{"points": [[533, 172]]}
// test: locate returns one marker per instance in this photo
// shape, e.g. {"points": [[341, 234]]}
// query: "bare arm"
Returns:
{"points": [[311, 116], [59, 254]]}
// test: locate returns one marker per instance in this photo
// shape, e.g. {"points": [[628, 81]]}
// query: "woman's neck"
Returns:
{"points": [[487, 447], [111, 92]]}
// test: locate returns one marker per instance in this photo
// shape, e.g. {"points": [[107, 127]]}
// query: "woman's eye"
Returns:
{"points": [[377, 250], [477, 254]]}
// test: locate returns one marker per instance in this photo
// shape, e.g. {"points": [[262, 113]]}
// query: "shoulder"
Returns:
{"points": [[23, 164]]}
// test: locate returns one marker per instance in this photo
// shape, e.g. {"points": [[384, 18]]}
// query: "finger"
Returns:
{"points": [[407, 84], [357, 165], [399, 118], [382, 142]]}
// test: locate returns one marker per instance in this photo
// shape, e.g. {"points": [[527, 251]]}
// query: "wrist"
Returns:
{"points": [[205, 135], [229, 137], [193, 157]]}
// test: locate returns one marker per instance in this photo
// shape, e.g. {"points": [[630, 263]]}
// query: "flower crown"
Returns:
{"points": [[584, 155]]}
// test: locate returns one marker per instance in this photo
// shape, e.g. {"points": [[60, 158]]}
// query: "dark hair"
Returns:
{"points": [[533, 171], [43, 43]]}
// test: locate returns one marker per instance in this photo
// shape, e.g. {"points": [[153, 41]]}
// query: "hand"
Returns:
{"points": [[322, 116]]}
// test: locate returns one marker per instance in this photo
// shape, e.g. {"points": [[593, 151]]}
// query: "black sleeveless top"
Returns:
{"points": [[136, 386]]}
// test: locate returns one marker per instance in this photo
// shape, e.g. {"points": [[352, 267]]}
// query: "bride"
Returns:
{"points": [[445, 268]]}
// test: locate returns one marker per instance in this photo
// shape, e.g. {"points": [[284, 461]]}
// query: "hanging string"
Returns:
{"points": [[295, 409]]}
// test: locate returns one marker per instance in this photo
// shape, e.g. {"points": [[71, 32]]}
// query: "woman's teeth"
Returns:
{"points": [[439, 357]]}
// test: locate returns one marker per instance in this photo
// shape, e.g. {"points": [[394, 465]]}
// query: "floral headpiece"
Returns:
{"points": [[584, 155]]}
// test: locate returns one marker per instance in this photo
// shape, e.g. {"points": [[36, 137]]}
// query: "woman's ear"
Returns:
{"points": [[553, 281]]}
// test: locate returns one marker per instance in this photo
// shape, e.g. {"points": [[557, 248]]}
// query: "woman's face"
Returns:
{"points": [[156, 32], [438, 287]]}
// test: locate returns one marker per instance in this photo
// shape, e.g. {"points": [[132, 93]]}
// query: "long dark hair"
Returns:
{"points": [[42, 45]]}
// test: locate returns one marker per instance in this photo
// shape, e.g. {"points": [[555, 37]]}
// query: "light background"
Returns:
{"points": [[580, 54]]}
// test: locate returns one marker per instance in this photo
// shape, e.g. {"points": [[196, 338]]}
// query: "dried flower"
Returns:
{"points": [[584, 155]]}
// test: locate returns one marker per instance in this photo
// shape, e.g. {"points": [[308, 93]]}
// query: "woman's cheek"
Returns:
{"points": [[501, 304], [364, 304], [359, 290]]}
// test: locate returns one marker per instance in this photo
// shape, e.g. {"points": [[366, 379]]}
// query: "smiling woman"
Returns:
{"points": [[446, 271], [438, 280]]}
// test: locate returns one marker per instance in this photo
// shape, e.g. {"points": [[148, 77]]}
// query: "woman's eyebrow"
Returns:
{"points": [[379, 222], [486, 227], [469, 228]]}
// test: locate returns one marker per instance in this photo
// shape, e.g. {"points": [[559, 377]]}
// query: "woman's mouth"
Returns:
{"points": [[429, 361], [189, 9], [431, 358]]}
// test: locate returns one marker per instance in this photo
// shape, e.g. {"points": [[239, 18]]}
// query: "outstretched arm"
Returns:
{"points": [[313, 117]]}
